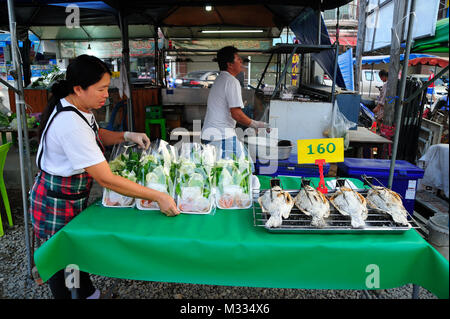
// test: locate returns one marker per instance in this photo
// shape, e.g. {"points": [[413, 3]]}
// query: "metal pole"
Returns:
{"points": [[412, 17], [360, 44], [20, 103], [26, 140], [392, 86], [249, 70], [126, 59], [319, 27], [333, 86], [158, 67]]}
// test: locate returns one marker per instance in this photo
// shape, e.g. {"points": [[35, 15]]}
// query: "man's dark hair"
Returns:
{"points": [[383, 73], [224, 56]]}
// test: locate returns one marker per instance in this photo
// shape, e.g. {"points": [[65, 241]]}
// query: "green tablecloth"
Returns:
{"points": [[226, 249]]}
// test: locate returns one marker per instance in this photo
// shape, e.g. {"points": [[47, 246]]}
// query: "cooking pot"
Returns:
{"points": [[267, 148]]}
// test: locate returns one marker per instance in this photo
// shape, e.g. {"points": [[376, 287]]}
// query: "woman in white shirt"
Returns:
{"points": [[70, 157]]}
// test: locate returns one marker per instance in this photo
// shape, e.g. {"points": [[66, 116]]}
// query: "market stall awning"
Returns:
{"points": [[442, 62], [176, 18], [91, 32], [345, 40], [438, 43], [377, 59]]}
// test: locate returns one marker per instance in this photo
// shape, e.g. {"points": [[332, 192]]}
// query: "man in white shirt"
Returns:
{"points": [[225, 102]]}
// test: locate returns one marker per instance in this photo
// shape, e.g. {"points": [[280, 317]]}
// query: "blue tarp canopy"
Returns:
{"points": [[94, 5], [346, 65], [305, 28]]}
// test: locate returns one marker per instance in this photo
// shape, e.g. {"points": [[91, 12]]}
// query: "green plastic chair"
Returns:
{"points": [[3, 152], [153, 115]]}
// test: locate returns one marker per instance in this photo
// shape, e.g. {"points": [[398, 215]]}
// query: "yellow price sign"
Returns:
{"points": [[329, 149]]}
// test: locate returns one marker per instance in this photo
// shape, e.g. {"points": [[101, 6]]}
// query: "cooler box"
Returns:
{"points": [[405, 176], [289, 167]]}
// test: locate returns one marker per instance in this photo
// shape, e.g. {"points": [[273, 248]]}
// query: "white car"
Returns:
{"points": [[370, 84]]}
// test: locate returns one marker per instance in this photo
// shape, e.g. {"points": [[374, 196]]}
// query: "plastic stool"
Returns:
{"points": [[162, 124], [153, 112], [3, 152], [154, 115]]}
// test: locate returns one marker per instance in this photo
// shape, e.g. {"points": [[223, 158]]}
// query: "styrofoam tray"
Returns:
{"points": [[211, 206], [140, 207], [254, 186], [104, 203], [217, 200]]}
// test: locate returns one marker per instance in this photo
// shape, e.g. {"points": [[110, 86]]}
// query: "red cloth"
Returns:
{"points": [[387, 132], [440, 61], [429, 78]]}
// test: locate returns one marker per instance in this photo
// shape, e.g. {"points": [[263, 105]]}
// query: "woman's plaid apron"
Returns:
{"points": [[56, 200]]}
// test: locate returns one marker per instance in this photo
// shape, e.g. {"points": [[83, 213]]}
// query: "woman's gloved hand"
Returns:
{"points": [[167, 205], [140, 139]]}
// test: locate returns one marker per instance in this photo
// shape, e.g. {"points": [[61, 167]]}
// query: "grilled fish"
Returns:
{"points": [[278, 204], [389, 202], [313, 203], [351, 203]]}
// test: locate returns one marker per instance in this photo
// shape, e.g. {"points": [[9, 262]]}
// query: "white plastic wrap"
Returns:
{"points": [[339, 126], [193, 184], [233, 179], [125, 163], [113, 199], [157, 171]]}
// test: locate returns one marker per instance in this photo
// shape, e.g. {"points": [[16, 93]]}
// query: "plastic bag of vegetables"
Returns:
{"points": [[125, 163], [158, 169], [233, 180], [194, 187]]}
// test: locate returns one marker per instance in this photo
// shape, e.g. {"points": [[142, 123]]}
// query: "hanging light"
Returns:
{"points": [[208, 8]]}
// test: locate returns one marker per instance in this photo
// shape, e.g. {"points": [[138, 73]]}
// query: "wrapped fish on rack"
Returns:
{"points": [[313, 203], [389, 202], [278, 204], [351, 203]]}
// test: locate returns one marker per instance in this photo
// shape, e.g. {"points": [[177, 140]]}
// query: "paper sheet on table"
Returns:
{"points": [[332, 184]]}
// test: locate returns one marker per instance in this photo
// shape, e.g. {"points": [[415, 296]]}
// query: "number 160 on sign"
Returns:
{"points": [[329, 149]]}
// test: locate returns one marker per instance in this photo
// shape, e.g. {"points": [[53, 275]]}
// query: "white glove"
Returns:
{"points": [[259, 124], [140, 139]]}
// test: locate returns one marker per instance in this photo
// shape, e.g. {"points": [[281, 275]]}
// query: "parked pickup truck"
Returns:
{"points": [[370, 84]]}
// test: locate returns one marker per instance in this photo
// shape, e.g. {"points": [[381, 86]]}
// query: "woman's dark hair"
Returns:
{"points": [[84, 71], [226, 55]]}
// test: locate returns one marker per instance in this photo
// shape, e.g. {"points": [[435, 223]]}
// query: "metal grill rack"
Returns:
{"points": [[298, 222]]}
